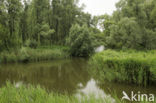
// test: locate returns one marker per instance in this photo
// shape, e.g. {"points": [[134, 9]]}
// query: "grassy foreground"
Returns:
{"points": [[125, 66], [26, 54], [30, 94]]}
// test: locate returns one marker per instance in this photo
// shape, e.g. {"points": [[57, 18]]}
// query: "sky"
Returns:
{"points": [[99, 7]]}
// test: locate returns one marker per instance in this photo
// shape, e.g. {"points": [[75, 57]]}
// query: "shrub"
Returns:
{"points": [[79, 41], [31, 43]]}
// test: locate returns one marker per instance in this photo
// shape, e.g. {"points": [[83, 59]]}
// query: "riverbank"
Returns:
{"points": [[135, 67], [30, 94], [42, 53]]}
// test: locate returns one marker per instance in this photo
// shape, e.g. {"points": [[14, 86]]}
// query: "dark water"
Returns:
{"points": [[64, 76]]}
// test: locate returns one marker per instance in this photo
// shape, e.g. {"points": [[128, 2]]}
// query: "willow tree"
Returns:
{"points": [[133, 25], [9, 23], [63, 16], [38, 16]]}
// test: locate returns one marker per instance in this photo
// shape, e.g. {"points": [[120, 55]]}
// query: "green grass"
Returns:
{"points": [[26, 54], [31, 94], [135, 67], [10, 93]]}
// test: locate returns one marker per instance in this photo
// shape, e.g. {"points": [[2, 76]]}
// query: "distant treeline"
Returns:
{"points": [[38, 22], [44, 22], [132, 25]]}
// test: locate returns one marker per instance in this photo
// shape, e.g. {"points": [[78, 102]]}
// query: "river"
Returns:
{"points": [[68, 76]]}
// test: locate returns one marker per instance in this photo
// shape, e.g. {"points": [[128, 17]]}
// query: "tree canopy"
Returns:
{"points": [[46, 22], [132, 25]]}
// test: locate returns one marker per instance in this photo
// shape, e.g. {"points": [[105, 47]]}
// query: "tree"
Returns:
{"points": [[64, 14], [84, 19], [45, 33], [9, 21], [24, 22], [3, 38], [132, 25], [3, 26], [56, 17], [79, 41], [38, 15], [125, 34]]}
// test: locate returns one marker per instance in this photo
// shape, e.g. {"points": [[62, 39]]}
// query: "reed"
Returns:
{"points": [[137, 67], [26, 54], [31, 94]]}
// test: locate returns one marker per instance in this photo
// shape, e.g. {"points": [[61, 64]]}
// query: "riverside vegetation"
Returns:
{"points": [[35, 94], [26, 54], [36, 30], [131, 66], [31, 94]]}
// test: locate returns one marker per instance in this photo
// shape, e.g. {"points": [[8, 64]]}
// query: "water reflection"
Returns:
{"points": [[112, 89], [65, 76], [58, 76], [92, 89]]}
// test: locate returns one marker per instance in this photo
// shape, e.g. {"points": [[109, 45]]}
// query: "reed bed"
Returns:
{"points": [[137, 67]]}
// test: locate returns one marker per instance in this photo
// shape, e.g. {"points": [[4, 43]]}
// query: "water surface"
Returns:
{"points": [[64, 76]]}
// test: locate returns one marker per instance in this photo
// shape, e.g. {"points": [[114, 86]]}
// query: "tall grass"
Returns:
{"points": [[125, 66], [31, 94], [26, 54]]}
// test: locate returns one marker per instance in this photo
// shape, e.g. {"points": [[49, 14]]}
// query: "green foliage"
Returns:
{"points": [[31, 44], [9, 24], [64, 14], [125, 66], [125, 34], [30, 94], [3, 37], [38, 22], [45, 34], [79, 41], [132, 25], [98, 39], [44, 22], [84, 19], [26, 54]]}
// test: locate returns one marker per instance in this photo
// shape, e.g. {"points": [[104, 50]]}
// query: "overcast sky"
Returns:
{"points": [[99, 7]]}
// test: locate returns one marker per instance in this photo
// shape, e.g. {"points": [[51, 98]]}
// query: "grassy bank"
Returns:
{"points": [[125, 66], [26, 54], [31, 94]]}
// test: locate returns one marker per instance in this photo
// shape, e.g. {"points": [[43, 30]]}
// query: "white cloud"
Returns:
{"points": [[99, 7]]}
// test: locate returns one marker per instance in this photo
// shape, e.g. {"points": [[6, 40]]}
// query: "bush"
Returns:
{"points": [[31, 43], [79, 41]]}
